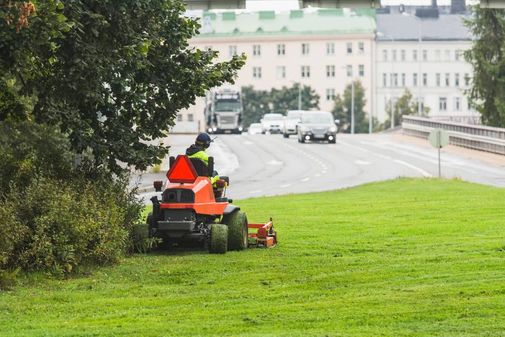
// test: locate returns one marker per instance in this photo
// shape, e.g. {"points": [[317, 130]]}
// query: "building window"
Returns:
{"points": [[457, 104], [330, 71], [467, 80], [425, 55], [330, 94], [384, 55], [257, 72], [456, 80], [447, 79], [349, 70], [384, 80], [305, 71], [232, 51], [457, 54], [404, 79], [361, 47], [447, 55], [190, 118], [420, 104], [349, 48], [361, 70], [393, 56], [438, 79], [305, 49], [256, 50], [414, 55], [437, 55], [394, 79], [179, 117], [330, 48], [442, 103], [281, 72], [402, 54], [414, 80], [425, 79], [281, 49]]}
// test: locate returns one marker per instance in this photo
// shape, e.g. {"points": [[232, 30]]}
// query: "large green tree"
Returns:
{"points": [[488, 61], [112, 75], [256, 104], [342, 109]]}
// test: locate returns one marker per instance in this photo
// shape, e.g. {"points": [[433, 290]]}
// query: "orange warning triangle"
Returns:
{"points": [[182, 171]]}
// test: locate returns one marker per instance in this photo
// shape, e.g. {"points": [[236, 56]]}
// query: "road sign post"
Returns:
{"points": [[439, 138]]}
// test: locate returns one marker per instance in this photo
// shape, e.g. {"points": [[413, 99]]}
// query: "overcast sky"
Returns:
{"points": [[293, 4]]}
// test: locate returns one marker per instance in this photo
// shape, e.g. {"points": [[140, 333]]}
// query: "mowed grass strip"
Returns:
{"points": [[398, 258]]}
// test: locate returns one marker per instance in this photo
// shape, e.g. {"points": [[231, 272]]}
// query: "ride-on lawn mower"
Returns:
{"points": [[191, 209]]}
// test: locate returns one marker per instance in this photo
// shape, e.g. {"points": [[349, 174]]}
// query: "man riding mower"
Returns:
{"points": [[191, 210]]}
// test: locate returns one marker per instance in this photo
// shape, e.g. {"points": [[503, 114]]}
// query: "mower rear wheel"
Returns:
{"points": [[237, 230], [218, 239]]}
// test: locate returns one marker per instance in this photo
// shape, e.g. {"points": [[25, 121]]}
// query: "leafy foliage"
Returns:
{"points": [[259, 102], [342, 109], [487, 58], [403, 106], [111, 75]]}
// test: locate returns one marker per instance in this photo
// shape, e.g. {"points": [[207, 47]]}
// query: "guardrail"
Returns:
{"points": [[477, 137]]}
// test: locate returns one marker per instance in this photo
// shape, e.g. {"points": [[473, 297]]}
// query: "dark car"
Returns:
{"points": [[317, 126]]}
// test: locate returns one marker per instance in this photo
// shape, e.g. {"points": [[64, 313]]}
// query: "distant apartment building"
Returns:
{"points": [[323, 48], [425, 55]]}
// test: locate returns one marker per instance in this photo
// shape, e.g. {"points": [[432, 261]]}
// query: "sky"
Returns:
{"points": [[293, 4]]}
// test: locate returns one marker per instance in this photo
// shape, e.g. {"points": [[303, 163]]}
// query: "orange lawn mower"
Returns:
{"points": [[191, 209]]}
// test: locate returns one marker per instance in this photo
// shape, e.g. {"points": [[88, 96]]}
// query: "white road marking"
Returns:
{"points": [[285, 185], [362, 149], [380, 155], [275, 162], [254, 192], [247, 142], [305, 179], [362, 162], [420, 170], [317, 175]]}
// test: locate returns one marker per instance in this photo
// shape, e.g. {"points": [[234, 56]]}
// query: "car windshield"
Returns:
{"points": [[317, 119], [270, 117], [227, 106]]}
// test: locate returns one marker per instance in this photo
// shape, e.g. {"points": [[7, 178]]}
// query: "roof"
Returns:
{"points": [[400, 27], [295, 22]]}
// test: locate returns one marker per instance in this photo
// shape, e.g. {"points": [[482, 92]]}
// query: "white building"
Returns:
{"points": [[323, 48], [425, 56]]}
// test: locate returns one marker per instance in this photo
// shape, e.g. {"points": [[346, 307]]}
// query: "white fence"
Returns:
{"points": [[483, 138]]}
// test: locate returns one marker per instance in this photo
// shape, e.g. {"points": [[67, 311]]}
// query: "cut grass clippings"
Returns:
{"points": [[409, 257]]}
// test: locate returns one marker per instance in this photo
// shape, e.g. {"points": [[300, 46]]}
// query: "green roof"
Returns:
{"points": [[295, 22]]}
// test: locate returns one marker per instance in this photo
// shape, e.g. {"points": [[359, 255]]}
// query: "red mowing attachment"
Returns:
{"points": [[265, 235]]}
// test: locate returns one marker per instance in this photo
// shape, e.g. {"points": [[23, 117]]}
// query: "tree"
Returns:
{"points": [[285, 99], [342, 109], [402, 106], [487, 58], [116, 75], [256, 104]]}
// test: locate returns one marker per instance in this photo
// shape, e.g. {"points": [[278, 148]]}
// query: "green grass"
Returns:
{"points": [[399, 258]]}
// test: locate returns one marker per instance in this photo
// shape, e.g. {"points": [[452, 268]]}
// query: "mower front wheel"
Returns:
{"points": [[218, 239], [237, 230]]}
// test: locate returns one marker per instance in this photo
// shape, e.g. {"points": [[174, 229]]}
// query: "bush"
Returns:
{"points": [[55, 216]]}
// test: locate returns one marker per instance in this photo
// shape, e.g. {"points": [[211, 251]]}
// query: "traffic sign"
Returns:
{"points": [[438, 138]]}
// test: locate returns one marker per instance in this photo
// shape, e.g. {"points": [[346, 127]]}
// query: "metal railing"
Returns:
{"points": [[477, 137]]}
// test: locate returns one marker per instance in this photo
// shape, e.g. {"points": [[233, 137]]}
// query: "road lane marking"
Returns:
{"points": [[382, 156], [362, 162], [420, 170], [247, 142], [305, 179], [285, 185], [362, 149], [275, 162]]}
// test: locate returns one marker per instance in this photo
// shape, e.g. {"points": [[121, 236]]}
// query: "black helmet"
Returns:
{"points": [[203, 140]]}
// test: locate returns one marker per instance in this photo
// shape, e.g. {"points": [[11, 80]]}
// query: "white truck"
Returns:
{"points": [[223, 110]]}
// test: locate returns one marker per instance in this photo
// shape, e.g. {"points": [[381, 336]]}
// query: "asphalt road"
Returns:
{"points": [[261, 165]]}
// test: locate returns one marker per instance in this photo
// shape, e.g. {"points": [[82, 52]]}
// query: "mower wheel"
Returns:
{"points": [[237, 230], [218, 239]]}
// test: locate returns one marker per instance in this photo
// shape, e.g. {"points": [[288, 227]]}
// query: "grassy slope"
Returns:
{"points": [[400, 258]]}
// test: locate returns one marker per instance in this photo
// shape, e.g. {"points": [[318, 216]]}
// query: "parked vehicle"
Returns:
{"points": [[290, 121], [317, 126], [223, 110], [272, 123], [254, 129]]}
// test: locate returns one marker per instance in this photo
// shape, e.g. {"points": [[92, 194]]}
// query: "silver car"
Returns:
{"points": [[317, 126], [290, 121]]}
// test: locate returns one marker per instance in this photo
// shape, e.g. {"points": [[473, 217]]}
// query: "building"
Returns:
{"points": [[422, 51], [323, 48]]}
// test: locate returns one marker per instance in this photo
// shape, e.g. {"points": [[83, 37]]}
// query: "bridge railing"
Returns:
{"points": [[483, 138]]}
